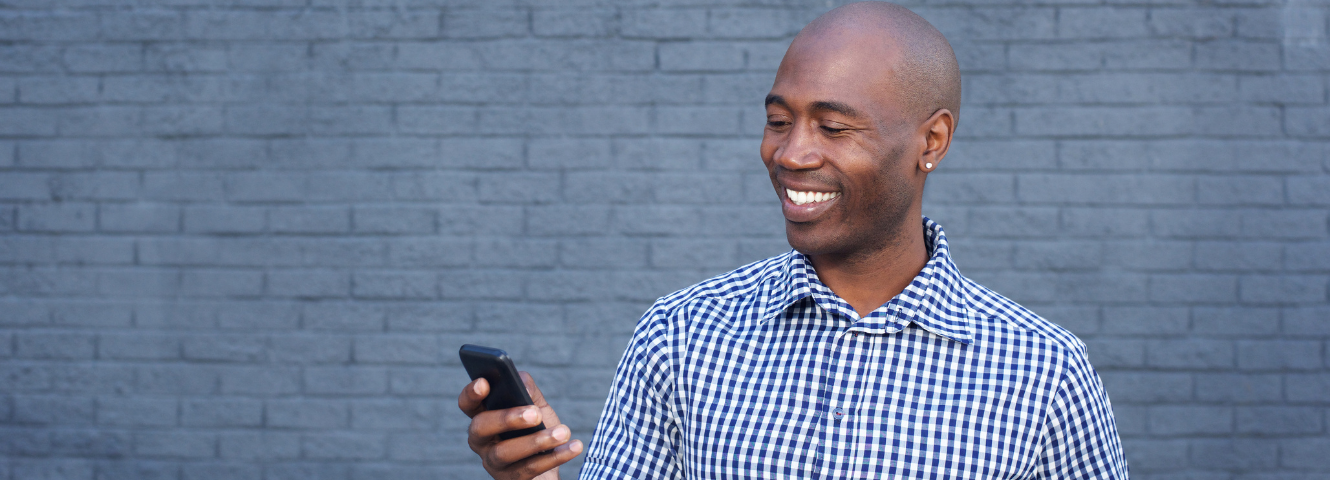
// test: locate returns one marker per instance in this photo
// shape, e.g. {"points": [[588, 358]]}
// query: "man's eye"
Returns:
{"points": [[833, 130], [777, 123]]}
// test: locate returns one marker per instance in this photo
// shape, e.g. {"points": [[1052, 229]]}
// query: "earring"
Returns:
{"points": [[928, 165]]}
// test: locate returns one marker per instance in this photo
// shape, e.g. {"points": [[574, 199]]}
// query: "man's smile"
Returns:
{"points": [[801, 206], [804, 198]]}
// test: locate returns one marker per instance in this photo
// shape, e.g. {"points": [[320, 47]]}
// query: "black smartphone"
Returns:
{"points": [[506, 388]]}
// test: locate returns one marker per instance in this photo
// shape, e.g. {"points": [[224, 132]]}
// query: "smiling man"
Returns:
{"points": [[863, 353]]}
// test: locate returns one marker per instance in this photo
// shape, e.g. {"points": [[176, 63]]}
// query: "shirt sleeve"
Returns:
{"points": [[638, 433], [1080, 439]]}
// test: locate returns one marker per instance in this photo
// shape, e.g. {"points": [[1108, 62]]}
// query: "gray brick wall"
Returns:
{"points": [[245, 239]]}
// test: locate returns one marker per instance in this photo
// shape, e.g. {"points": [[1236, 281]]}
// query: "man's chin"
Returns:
{"points": [[807, 239]]}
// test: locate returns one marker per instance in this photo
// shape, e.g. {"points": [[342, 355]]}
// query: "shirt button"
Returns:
{"points": [[838, 413]]}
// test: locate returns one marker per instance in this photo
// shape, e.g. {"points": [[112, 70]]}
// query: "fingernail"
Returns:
{"points": [[560, 433], [475, 387], [575, 447], [529, 415]]}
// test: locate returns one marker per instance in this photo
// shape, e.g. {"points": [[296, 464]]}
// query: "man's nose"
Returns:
{"points": [[802, 149]]}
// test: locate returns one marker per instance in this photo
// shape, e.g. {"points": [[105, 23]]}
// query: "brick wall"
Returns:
{"points": [[245, 239]]}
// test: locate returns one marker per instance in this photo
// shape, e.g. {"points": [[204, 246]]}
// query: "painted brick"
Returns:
{"points": [[1173, 420], [1155, 455], [1306, 387], [338, 316], [137, 412], [1283, 288], [310, 349], [1064, 57], [1223, 55], [1238, 256], [1279, 420], [1192, 23], [1198, 354], [139, 218], [52, 411], [486, 23], [1238, 388], [175, 444], [345, 380], [1279, 355], [664, 23], [1099, 222], [53, 345], [572, 23], [1307, 454], [1235, 321], [58, 217], [344, 446], [1111, 22], [1307, 320], [131, 470], [1193, 288], [1138, 387], [206, 471], [307, 413], [349, 187], [73, 469], [1235, 453], [298, 471], [398, 285], [709, 57], [177, 379], [259, 445], [222, 412], [1145, 320], [171, 58], [227, 219], [396, 349], [569, 153]]}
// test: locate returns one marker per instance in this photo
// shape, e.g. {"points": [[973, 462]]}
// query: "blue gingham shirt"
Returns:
{"points": [[764, 373]]}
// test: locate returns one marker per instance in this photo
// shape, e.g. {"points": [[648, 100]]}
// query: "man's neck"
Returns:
{"points": [[866, 280]]}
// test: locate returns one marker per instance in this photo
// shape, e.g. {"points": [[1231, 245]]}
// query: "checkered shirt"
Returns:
{"points": [[764, 373]]}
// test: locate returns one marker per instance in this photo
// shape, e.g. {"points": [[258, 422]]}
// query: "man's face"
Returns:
{"points": [[839, 148]]}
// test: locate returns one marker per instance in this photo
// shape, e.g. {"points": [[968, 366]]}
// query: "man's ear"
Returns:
{"points": [[937, 139]]}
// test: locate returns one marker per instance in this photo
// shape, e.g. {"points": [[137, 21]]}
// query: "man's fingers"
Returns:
{"points": [[517, 449], [534, 466], [536, 397], [472, 397], [551, 418], [490, 423]]}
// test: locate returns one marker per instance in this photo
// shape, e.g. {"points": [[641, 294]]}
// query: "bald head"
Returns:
{"points": [[926, 77]]}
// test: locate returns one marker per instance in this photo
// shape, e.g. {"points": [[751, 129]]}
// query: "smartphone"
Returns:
{"points": [[506, 388]]}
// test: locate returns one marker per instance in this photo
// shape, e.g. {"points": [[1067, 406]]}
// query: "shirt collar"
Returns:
{"points": [[935, 300]]}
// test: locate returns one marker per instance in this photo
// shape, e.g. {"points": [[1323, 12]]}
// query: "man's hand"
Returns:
{"points": [[521, 457]]}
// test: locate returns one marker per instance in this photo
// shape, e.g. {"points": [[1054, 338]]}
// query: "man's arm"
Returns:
{"points": [[638, 433], [1080, 438]]}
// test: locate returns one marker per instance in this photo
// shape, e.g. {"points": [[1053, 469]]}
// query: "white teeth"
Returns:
{"points": [[802, 198]]}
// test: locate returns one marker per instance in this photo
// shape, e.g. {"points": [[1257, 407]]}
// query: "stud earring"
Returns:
{"points": [[928, 165]]}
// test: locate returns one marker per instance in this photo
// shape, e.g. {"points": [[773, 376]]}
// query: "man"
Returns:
{"points": [[862, 354]]}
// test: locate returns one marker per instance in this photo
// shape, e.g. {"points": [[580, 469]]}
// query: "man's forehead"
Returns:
{"points": [[836, 74]]}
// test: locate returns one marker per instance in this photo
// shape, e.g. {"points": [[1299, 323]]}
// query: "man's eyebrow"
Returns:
{"points": [[837, 107], [825, 106]]}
